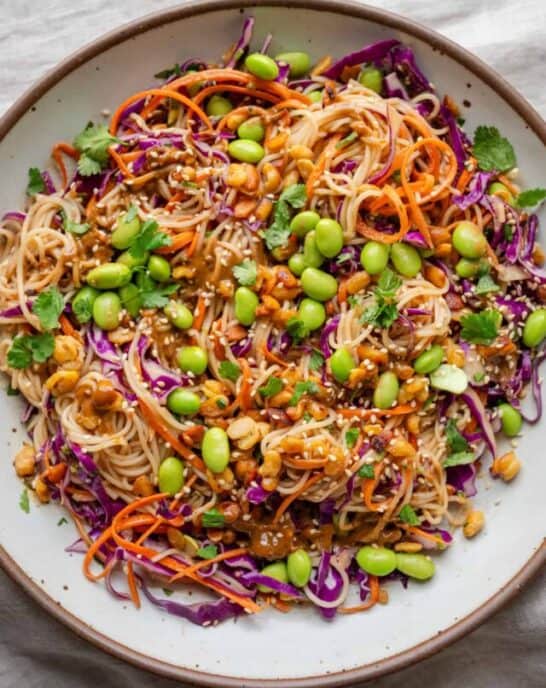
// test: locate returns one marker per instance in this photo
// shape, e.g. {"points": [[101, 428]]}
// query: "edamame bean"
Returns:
{"points": [[278, 571], [534, 329], [415, 565], [318, 285], [371, 78], [374, 257], [299, 63], [125, 231], [311, 255], [170, 475], [126, 258], [252, 130], [215, 449], [511, 420], [218, 106], [378, 561], [262, 66], [386, 391], [468, 240], [429, 360], [297, 264], [467, 268], [246, 150], [109, 276], [406, 259], [502, 191], [179, 315], [183, 402], [329, 237], [192, 359], [159, 268], [298, 568], [315, 96], [341, 364], [312, 314], [304, 222], [246, 302], [106, 310], [82, 304], [449, 378], [130, 299]]}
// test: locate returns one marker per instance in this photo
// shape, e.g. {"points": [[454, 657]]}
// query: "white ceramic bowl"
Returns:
{"points": [[474, 577]]}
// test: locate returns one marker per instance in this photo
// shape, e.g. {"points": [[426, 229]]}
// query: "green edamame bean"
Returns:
{"points": [[82, 304], [429, 360], [130, 299], [534, 329], [183, 402], [262, 66], [304, 222], [159, 268], [246, 302], [315, 96], [109, 276], [371, 78], [468, 240], [386, 391], [341, 364], [502, 191], [125, 231], [415, 565], [511, 420], [252, 130], [450, 378], [406, 259], [106, 310], [218, 106], [297, 264], [246, 150], [299, 63], [131, 262], [467, 268], [378, 561], [278, 571], [298, 568], [318, 285], [171, 475], [179, 315], [192, 359], [311, 255], [215, 449], [329, 237], [374, 257], [312, 314]]}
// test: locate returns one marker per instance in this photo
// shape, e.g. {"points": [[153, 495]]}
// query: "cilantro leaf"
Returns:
{"points": [[456, 442], [24, 503], [408, 515], [530, 198], [36, 183], [388, 284], [294, 195], [296, 329], [48, 306], [316, 360], [12, 392], [273, 386], [73, 227], [213, 519], [278, 232], [508, 232], [245, 273], [459, 459], [346, 140], [351, 436], [88, 167], [481, 328], [148, 239], [28, 348], [207, 552], [229, 370], [168, 592], [493, 151], [93, 143], [486, 284], [381, 315], [301, 388], [61, 521], [157, 296], [83, 309], [175, 70], [366, 471]]}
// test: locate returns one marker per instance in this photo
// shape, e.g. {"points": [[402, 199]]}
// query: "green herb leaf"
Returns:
{"points": [[530, 198], [24, 503], [87, 166], [366, 471], [168, 592], [388, 284], [221, 403], [301, 388], [278, 232], [481, 328], [316, 360], [508, 232], [245, 273], [408, 515], [148, 239], [273, 386], [229, 370], [381, 315], [213, 519], [36, 183], [175, 70], [83, 310], [296, 329], [158, 296], [48, 306], [61, 521], [455, 441], [93, 143], [486, 285], [12, 392], [492, 151], [294, 195], [207, 552], [459, 459], [351, 437], [28, 348], [346, 140], [74, 227]]}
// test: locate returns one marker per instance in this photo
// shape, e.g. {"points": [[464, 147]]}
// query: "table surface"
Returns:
{"points": [[506, 652]]}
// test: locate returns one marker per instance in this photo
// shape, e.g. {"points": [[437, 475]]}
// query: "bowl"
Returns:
{"points": [[297, 650]]}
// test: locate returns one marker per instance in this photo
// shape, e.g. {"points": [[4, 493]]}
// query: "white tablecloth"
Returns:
{"points": [[506, 652]]}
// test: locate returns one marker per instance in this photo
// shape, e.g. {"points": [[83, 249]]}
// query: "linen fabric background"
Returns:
{"points": [[506, 652]]}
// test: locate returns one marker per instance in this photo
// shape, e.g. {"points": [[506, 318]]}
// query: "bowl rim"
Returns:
{"points": [[445, 637]]}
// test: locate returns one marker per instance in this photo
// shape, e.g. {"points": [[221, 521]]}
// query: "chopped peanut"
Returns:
{"points": [[435, 275], [276, 143], [474, 523], [271, 178], [299, 151], [66, 349], [305, 168], [272, 464], [244, 208], [143, 487], [42, 490], [506, 466], [357, 282], [400, 447], [410, 547], [292, 445], [62, 382], [365, 351], [25, 461]]}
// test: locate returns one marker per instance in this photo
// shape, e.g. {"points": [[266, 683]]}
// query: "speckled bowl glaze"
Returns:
{"points": [[474, 578]]}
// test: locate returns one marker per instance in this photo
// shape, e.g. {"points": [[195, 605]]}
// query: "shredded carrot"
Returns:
{"points": [[372, 233], [67, 149], [245, 400], [67, 328], [200, 311], [369, 603], [368, 488], [132, 585], [326, 155], [272, 358], [228, 554], [294, 495], [400, 410], [304, 464], [192, 247], [178, 242], [178, 196], [423, 534], [119, 162]]}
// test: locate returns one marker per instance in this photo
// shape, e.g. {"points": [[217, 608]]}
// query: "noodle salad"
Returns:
{"points": [[267, 322]]}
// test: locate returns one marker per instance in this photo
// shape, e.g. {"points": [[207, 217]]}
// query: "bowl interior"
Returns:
{"points": [[271, 645]]}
